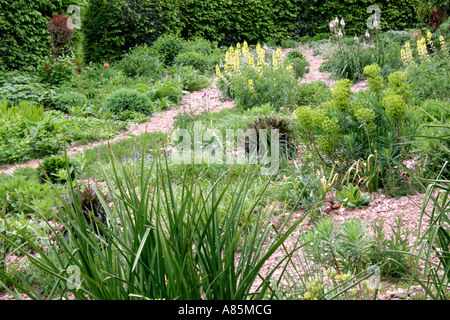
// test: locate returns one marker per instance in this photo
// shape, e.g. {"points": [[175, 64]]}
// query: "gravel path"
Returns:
{"points": [[197, 102], [315, 74]]}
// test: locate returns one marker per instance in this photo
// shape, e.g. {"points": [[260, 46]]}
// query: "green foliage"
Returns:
{"points": [[56, 71], [129, 100], [352, 127], [168, 89], [23, 194], [348, 62], [299, 66], [288, 43], [27, 132], [436, 239], [23, 111], [297, 189], [15, 87], [23, 26], [168, 47], [83, 130], [374, 78], [392, 250], [68, 99], [23, 140], [285, 131], [190, 78], [314, 18], [429, 79], [112, 27], [349, 248], [294, 54], [313, 93], [395, 107], [351, 197], [50, 168], [355, 244], [341, 95], [232, 22], [155, 237], [199, 61], [398, 84], [16, 228], [142, 61]]}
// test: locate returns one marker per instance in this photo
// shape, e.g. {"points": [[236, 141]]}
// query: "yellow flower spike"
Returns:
{"points": [[261, 54], [277, 59], [290, 68], [251, 86], [422, 48], [429, 38], [407, 54], [443, 45]]}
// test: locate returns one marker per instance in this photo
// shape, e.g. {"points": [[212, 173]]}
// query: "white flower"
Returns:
{"points": [[367, 34], [342, 22]]}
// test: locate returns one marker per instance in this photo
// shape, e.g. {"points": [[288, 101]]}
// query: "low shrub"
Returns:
{"points": [[67, 100], [23, 140], [349, 248], [23, 194], [15, 87], [352, 127], [285, 131], [168, 47], [129, 100], [56, 71], [299, 65], [54, 167], [199, 61], [313, 93], [294, 54], [288, 43], [348, 62], [190, 78], [142, 61]]}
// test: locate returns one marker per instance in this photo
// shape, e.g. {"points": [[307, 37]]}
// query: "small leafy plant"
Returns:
{"points": [[68, 100], [351, 197], [286, 139], [129, 100], [52, 167]]}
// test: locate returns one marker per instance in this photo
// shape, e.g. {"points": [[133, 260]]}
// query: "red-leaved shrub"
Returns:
{"points": [[60, 33]]}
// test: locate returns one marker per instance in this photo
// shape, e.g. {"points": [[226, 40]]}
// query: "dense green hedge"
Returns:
{"points": [[230, 22], [111, 27], [23, 31], [314, 15]]}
